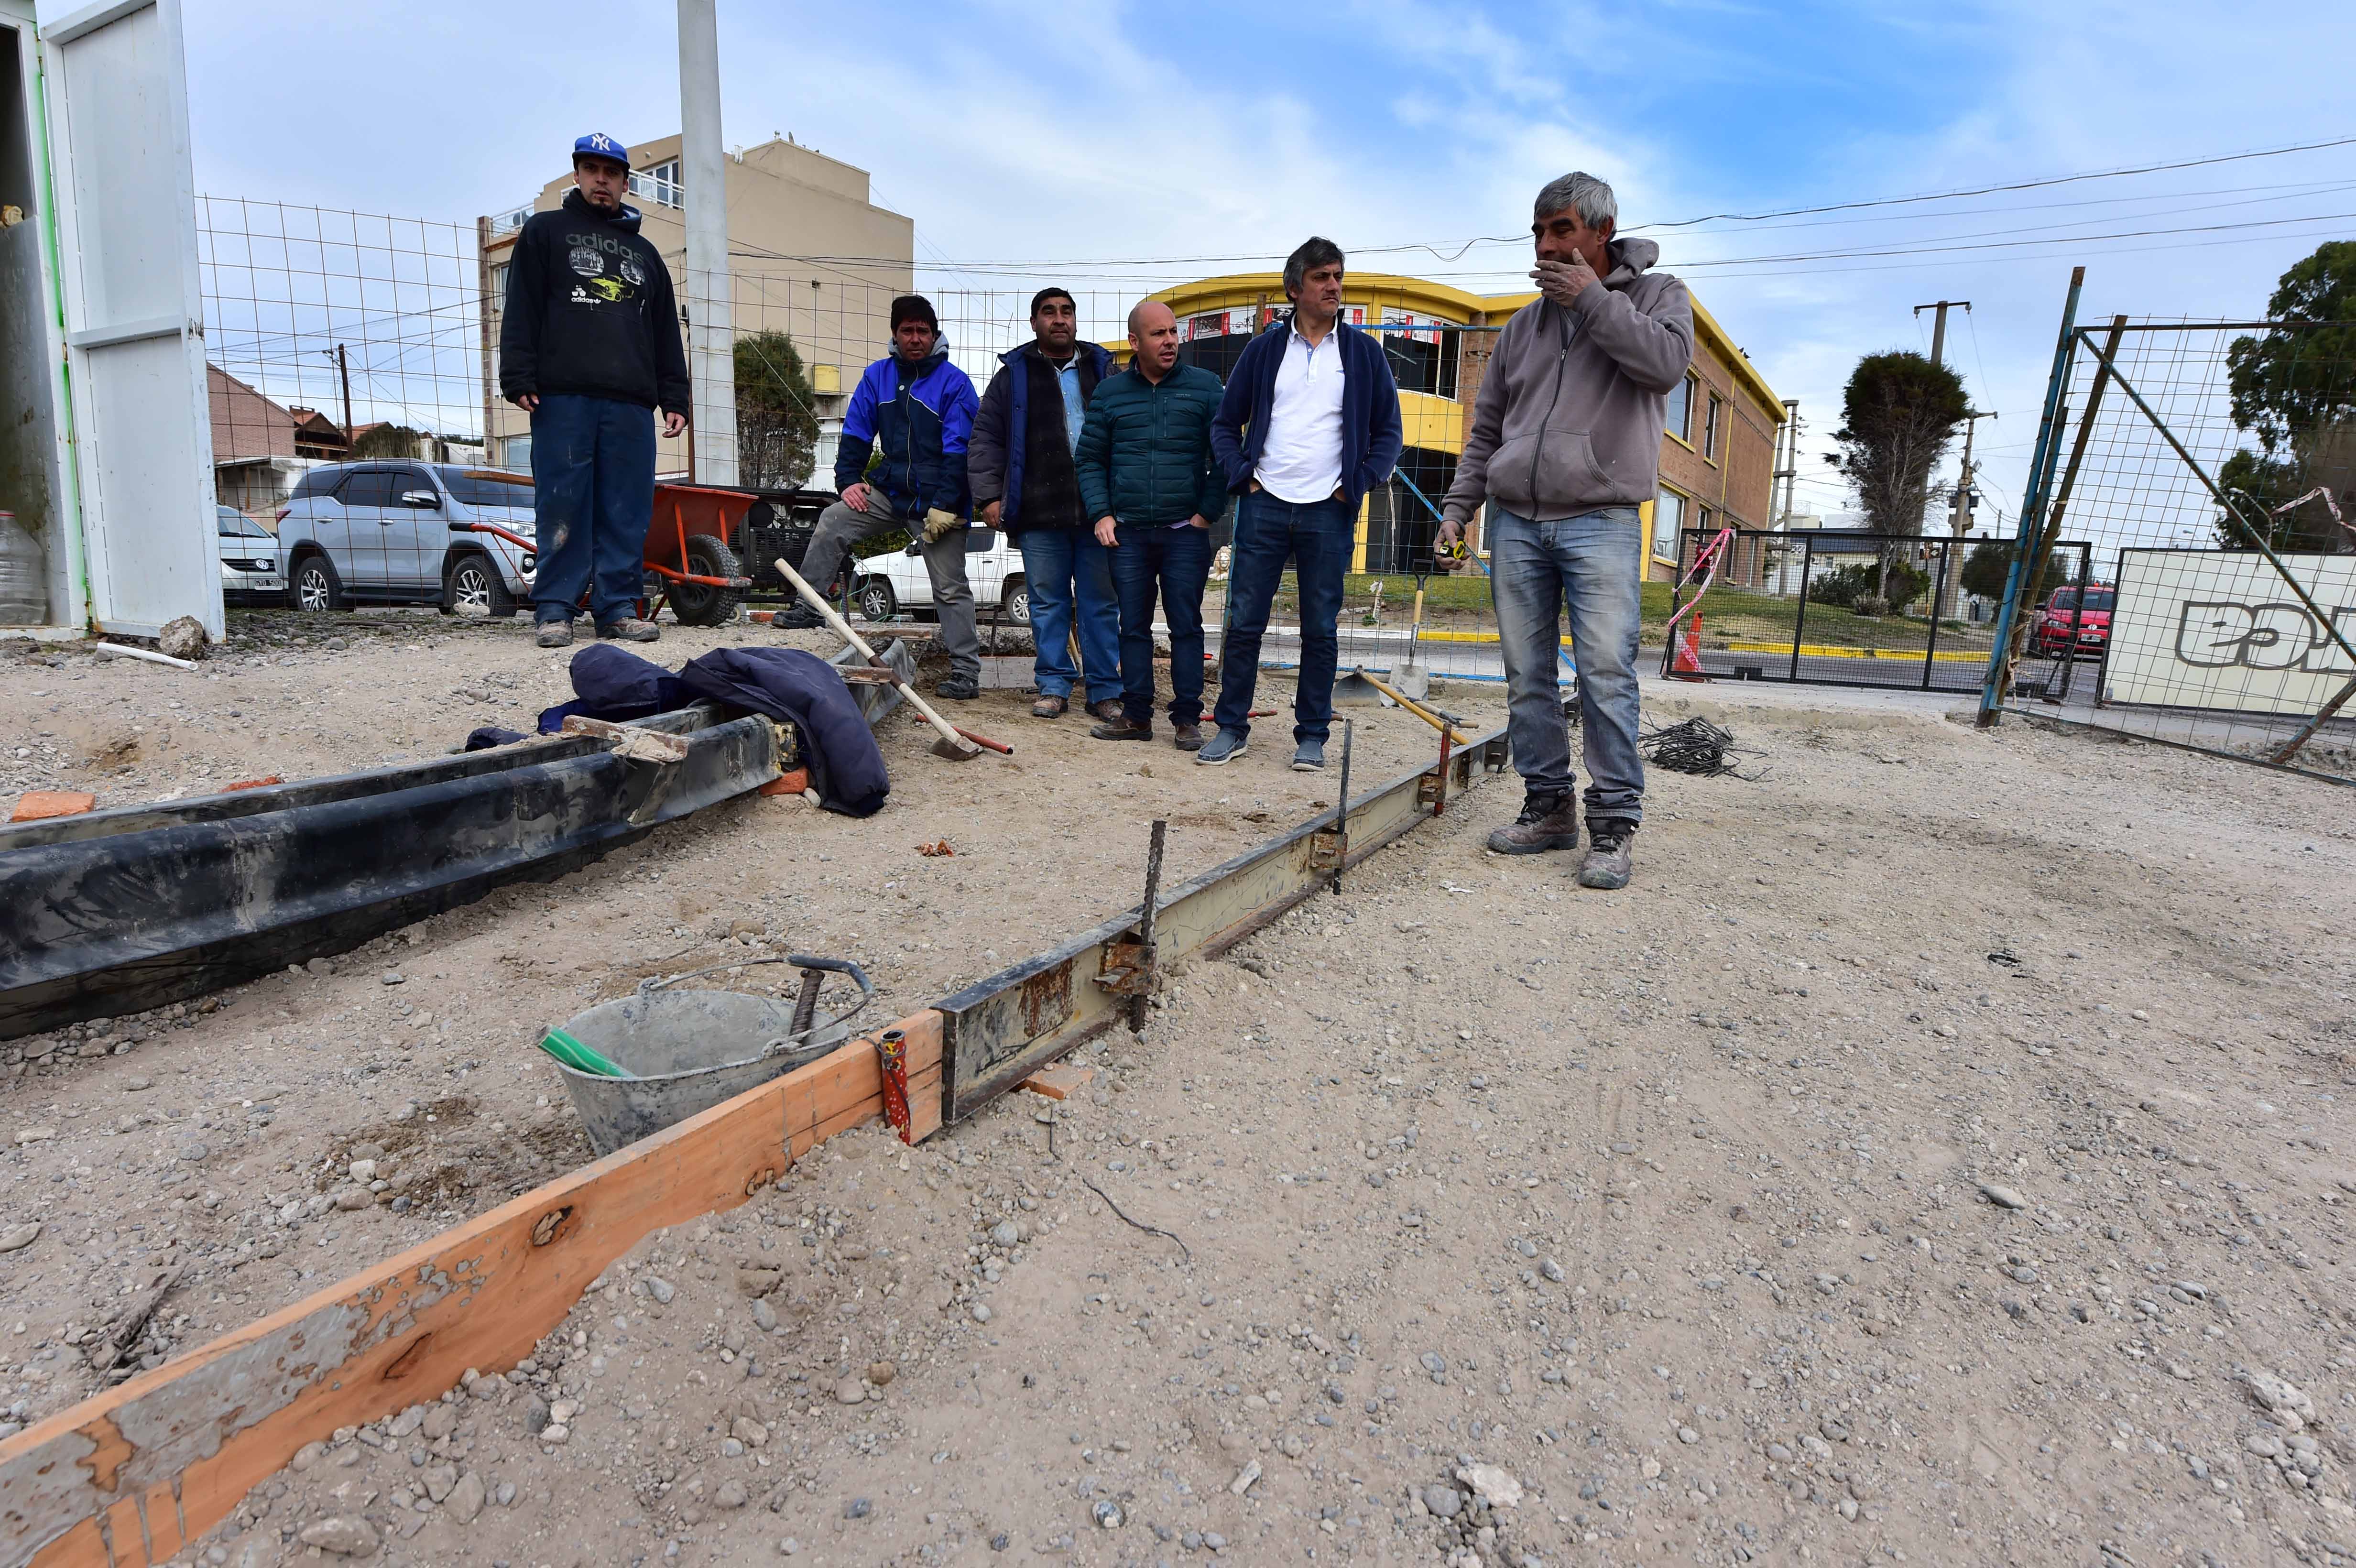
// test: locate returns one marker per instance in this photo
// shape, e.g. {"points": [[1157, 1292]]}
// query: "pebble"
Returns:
{"points": [[2002, 1196], [1005, 1233], [1552, 1270], [556, 1433], [857, 1508], [16, 1238], [194, 1151], [1108, 1515], [393, 976], [981, 1312], [757, 1282], [881, 1372], [1443, 1501], [1687, 1434], [851, 1391], [363, 1171], [765, 1317], [351, 1200], [36, 1134], [661, 1289], [346, 1535], [466, 1498], [730, 1494]]}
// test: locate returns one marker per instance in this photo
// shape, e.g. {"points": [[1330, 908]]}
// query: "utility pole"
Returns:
{"points": [[1939, 326], [483, 333], [710, 336], [1962, 521], [344, 369], [1787, 443]]}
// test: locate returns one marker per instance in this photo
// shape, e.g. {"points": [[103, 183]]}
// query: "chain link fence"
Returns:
{"points": [[2186, 571]]}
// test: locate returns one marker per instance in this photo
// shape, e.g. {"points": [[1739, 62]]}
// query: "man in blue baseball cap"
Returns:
{"points": [[590, 348]]}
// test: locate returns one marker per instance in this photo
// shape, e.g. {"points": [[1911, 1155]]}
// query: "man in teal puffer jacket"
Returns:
{"points": [[1147, 477]]}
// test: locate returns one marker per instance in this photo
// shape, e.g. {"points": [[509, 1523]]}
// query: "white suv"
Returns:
{"points": [[896, 582]]}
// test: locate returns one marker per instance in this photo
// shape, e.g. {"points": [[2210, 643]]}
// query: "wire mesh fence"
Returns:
{"points": [[341, 341], [2188, 574]]}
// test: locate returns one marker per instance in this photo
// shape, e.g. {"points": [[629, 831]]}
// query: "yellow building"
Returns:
{"points": [[1716, 461]]}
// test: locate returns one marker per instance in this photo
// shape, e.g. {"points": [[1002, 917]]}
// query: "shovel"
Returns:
{"points": [[951, 744]]}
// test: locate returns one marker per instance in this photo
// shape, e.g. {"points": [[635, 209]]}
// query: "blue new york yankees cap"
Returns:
{"points": [[597, 145]]}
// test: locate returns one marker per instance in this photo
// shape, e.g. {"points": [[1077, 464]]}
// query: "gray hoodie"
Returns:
{"points": [[1570, 413]]}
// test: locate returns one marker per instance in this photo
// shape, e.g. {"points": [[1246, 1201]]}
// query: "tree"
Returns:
{"points": [[2295, 389], [1991, 563], [777, 418], [392, 440], [1898, 418]]}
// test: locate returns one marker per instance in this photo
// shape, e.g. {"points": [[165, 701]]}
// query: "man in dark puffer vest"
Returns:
{"points": [[1019, 461]]}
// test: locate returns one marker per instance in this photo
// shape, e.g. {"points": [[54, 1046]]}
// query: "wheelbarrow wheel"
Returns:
{"points": [[700, 604]]}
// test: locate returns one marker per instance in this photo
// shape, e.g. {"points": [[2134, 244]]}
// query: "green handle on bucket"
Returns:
{"points": [[577, 1056]]}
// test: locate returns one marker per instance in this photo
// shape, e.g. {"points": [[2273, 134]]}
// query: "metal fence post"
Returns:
{"points": [[2032, 503]]}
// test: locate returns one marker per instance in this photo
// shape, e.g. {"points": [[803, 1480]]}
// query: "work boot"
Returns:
{"points": [[957, 687], [1044, 706], [1187, 736], [1547, 822], [796, 618], [1107, 708], [629, 631], [1610, 853], [555, 635], [1121, 729]]}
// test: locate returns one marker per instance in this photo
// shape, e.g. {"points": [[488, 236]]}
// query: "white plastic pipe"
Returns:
{"points": [[147, 653]]}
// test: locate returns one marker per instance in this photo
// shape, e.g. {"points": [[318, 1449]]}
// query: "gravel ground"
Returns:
{"points": [[1932, 1158]]}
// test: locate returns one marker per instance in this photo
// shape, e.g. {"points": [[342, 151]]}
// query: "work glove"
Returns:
{"points": [[938, 522]]}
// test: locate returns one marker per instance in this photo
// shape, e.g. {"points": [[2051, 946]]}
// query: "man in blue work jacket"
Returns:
{"points": [[914, 410]]}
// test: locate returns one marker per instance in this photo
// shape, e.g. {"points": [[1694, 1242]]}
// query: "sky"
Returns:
{"points": [[1137, 139]]}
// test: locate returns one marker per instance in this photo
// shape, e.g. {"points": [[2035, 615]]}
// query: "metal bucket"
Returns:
{"points": [[686, 1051]]}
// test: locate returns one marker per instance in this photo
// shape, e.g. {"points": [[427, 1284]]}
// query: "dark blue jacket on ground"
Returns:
{"points": [[801, 689], [919, 423], [611, 682], [785, 684], [1371, 436]]}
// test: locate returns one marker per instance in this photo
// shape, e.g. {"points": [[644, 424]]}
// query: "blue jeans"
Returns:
{"points": [[1318, 537], [1588, 565], [1176, 562], [1067, 572], [593, 472]]}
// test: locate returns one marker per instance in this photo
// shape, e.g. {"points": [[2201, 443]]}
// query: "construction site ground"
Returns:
{"points": [[1933, 1157]]}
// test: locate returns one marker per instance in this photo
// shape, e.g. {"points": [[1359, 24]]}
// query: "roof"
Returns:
{"points": [[1426, 298]]}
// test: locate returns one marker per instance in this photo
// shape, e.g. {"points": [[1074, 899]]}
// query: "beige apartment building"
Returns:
{"points": [[810, 255]]}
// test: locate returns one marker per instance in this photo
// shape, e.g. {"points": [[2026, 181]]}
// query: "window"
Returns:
{"points": [[236, 525], [515, 453], [475, 487], [658, 183], [1710, 422], [1668, 524], [499, 282], [368, 487], [1681, 409]]}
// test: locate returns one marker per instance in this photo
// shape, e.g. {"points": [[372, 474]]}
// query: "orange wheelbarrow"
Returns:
{"points": [[686, 549]]}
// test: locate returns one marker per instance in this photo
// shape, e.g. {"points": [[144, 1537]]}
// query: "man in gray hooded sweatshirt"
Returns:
{"points": [[1565, 446]]}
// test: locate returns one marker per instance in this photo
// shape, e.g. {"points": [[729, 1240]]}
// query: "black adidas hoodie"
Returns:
{"points": [[590, 312]]}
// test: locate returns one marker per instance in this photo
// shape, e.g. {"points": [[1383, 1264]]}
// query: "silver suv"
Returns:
{"points": [[399, 532]]}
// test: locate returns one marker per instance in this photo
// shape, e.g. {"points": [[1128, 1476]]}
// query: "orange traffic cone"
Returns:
{"points": [[1686, 664]]}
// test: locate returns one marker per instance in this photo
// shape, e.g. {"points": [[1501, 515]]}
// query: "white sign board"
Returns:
{"points": [[2220, 629]]}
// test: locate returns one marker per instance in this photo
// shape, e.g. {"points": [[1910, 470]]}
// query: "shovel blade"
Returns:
{"points": [[956, 751]]}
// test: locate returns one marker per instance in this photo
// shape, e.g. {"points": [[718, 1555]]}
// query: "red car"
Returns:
{"points": [[2065, 623]]}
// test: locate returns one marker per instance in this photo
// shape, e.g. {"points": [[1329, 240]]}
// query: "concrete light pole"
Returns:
{"points": [[710, 335]]}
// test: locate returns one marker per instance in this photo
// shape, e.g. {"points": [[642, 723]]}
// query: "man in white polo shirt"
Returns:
{"points": [[1309, 425]]}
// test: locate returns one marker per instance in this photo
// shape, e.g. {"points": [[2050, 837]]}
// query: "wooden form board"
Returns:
{"points": [[1003, 1029], [128, 1477]]}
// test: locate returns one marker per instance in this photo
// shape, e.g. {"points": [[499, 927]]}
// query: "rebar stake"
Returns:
{"points": [[1145, 927], [1342, 808]]}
